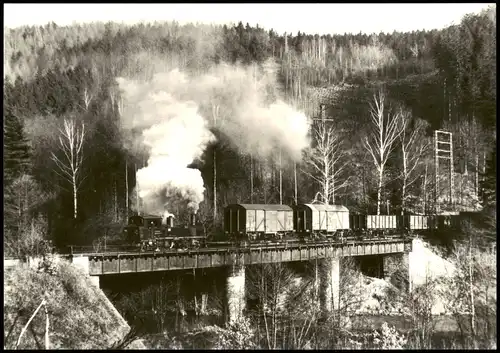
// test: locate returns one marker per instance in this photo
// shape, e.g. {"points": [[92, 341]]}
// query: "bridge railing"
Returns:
{"points": [[88, 249]]}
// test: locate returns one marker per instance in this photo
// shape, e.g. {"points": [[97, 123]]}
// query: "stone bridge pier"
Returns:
{"points": [[83, 263], [328, 272], [235, 293]]}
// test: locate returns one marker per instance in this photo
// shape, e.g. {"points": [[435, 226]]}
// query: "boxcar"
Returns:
{"points": [[413, 222], [357, 222], [320, 218], [449, 221], [257, 219], [381, 222]]}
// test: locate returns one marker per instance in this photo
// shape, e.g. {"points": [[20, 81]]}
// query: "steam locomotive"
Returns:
{"points": [[246, 224], [151, 232]]}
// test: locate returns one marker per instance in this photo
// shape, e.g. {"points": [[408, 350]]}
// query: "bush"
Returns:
{"points": [[389, 338]]}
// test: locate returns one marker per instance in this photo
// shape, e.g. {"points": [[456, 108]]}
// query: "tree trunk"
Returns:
{"points": [[403, 191], [379, 189], [115, 199], [425, 191], [75, 201], [215, 184], [136, 191], [264, 180], [126, 188], [333, 185], [295, 182], [281, 181], [365, 196], [477, 175], [471, 288], [326, 184], [251, 179]]}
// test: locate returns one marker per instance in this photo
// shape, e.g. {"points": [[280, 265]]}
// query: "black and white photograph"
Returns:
{"points": [[263, 176]]}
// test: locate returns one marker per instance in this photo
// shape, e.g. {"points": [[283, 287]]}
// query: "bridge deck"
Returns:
{"points": [[129, 262]]}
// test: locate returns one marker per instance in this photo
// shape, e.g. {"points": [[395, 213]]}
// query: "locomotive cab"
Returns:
{"points": [[141, 228]]}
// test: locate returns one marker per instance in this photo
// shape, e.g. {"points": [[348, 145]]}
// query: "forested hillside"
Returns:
{"points": [[70, 174]]}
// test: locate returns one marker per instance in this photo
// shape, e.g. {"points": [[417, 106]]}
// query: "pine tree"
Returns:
{"points": [[16, 148]]}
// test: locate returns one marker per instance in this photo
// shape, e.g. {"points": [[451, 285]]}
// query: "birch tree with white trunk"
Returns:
{"points": [[71, 141], [326, 161], [413, 147], [380, 142], [87, 98]]}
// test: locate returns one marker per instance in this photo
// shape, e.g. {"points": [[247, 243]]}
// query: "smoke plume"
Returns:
{"points": [[175, 112]]}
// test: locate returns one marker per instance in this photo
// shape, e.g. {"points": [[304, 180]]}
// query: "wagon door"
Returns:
{"points": [[345, 220], [281, 221], [260, 221], [250, 224], [271, 221], [332, 223]]}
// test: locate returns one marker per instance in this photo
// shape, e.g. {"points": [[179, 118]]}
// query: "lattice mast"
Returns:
{"points": [[443, 147]]}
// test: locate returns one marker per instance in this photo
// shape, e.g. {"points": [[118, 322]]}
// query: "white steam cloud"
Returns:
{"points": [[175, 112]]}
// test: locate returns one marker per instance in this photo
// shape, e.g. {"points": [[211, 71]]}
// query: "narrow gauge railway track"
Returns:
{"points": [[222, 247]]}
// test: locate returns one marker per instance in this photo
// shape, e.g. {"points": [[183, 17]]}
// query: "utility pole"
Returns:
{"points": [[443, 152], [137, 192], [281, 180], [295, 179], [251, 178], [126, 188]]}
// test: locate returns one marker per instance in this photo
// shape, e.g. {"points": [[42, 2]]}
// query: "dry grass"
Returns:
{"points": [[79, 316]]}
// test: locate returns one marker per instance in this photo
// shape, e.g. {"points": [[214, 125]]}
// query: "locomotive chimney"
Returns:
{"points": [[193, 219], [170, 221]]}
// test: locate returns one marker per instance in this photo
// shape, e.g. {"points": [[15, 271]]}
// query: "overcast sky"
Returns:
{"points": [[308, 18]]}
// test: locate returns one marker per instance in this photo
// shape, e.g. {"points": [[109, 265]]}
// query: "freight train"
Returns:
{"points": [[246, 224]]}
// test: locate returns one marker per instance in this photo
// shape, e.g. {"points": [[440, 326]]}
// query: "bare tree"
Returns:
{"points": [[87, 98], [413, 147], [281, 305], [325, 159], [419, 303], [471, 288], [386, 130], [70, 166]]}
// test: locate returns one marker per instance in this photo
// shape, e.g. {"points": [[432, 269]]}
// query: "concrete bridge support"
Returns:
{"points": [[235, 293], [396, 269], [329, 283], [83, 263]]}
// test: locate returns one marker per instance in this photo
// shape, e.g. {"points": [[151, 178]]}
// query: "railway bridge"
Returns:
{"points": [[391, 253]]}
